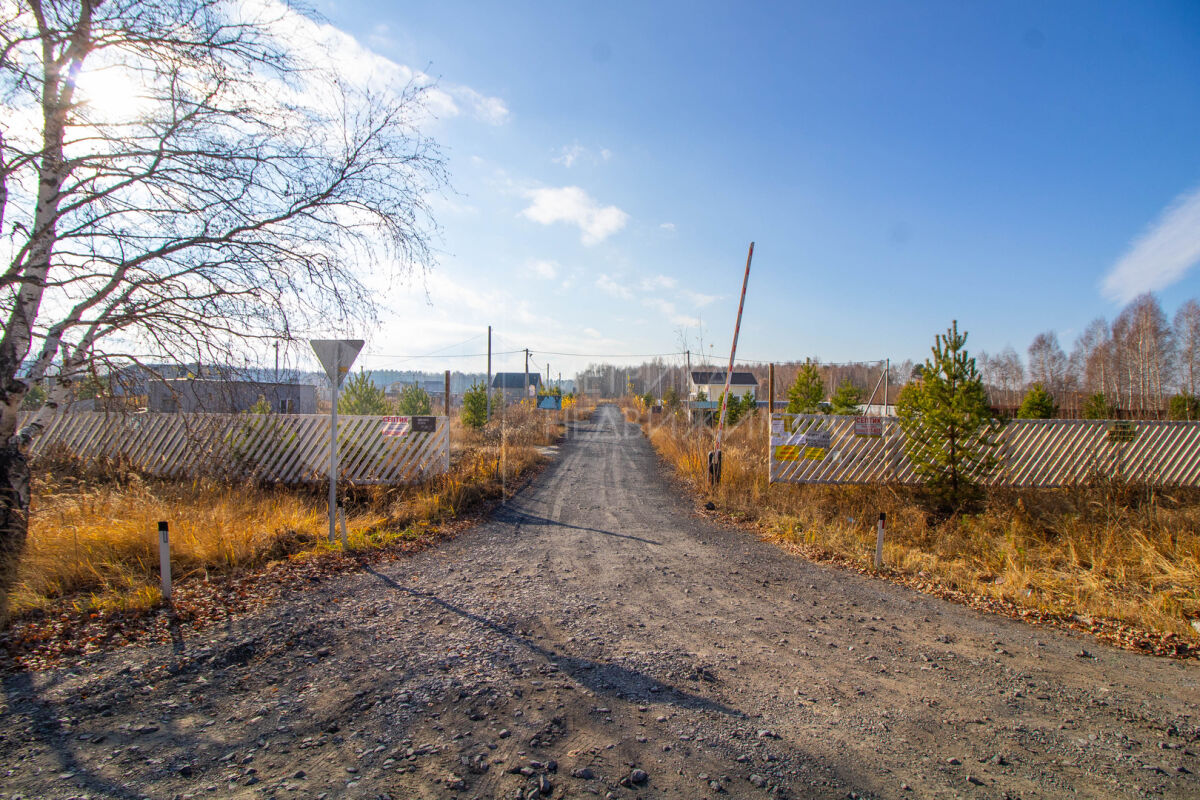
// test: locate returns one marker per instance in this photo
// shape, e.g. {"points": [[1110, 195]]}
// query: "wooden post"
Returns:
{"points": [[879, 541], [770, 390], [164, 558], [447, 403]]}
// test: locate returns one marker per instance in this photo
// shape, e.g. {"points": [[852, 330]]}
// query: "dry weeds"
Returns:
{"points": [[1105, 552], [93, 541]]}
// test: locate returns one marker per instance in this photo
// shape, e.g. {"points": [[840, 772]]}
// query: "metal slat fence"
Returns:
{"points": [[284, 448], [818, 448]]}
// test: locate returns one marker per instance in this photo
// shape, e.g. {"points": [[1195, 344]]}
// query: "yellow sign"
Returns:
{"points": [[814, 453], [787, 452]]}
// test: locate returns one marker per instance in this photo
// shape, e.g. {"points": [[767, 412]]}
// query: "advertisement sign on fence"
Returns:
{"points": [[395, 426], [871, 427]]}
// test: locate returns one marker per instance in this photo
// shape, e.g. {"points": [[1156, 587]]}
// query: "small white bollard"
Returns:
{"points": [[164, 558], [879, 541], [342, 521]]}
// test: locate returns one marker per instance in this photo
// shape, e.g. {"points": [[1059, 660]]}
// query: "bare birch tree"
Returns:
{"points": [[1092, 360], [229, 203], [1187, 344], [1144, 355], [1048, 363]]}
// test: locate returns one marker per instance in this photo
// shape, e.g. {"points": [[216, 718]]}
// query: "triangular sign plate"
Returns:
{"points": [[336, 356]]}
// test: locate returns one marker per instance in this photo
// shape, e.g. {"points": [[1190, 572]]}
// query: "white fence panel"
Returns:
{"points": [[818, 448], [284, 448]]}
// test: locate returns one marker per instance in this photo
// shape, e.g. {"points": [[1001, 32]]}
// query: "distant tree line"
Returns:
{"points": [[1142, 364]]}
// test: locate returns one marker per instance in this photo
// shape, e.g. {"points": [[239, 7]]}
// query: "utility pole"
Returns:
{"points": [[277, 362], [526, 393], [488, 388], [887, 368], [771, 389], [714, 458], [447, 403], [688, 377]]}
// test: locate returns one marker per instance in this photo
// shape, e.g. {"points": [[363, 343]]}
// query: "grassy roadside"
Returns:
{"points": [[93, 528], [1120, 561]]}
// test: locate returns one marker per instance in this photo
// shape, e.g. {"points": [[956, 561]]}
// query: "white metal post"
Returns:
{"points": [[333, 447], [164, 558], [879, 541]]}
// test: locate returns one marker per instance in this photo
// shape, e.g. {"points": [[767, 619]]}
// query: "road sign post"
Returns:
{"points": [[336, 356]]}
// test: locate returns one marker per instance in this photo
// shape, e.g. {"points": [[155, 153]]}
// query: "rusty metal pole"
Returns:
{"points": [[714, 458]]}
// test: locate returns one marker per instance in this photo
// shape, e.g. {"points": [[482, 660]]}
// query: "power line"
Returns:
{"points": [[449, 355], [606, 355]]}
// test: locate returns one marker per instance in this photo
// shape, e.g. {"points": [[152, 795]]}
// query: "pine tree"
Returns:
{"points": [[733, 411], [807, 391], [1184, 406], [474, 408], [948, 428], [1097, 407], [414, 401], [1038, 404], [361, 396], [847, 399]]}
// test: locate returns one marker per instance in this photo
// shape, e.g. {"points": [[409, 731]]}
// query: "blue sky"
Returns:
{"points": [[1017, 166]]}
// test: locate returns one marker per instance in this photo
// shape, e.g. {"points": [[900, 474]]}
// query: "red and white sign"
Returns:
{"points": [[868, 426], [396, 426]]}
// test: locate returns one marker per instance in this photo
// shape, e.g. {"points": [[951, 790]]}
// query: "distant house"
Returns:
{"points": [[515, 385], [713, 384], [187, 395], [435, 389]]}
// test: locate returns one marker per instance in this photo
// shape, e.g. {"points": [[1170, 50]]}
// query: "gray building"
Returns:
{"points": [[186, 395], [514, 386]]}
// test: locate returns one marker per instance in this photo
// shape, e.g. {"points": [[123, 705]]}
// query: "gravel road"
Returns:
{"points": [[597, 638]]}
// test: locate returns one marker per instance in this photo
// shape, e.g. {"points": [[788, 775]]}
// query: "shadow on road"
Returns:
{"points": [[512, 516], [23, 697], [612, 680]]}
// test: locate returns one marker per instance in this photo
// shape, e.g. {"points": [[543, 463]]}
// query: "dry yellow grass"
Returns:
{"points": [[1108, 552], [93, 537]]}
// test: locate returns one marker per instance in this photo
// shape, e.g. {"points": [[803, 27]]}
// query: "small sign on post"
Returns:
{"points": [[164, 558], [336, 356]]}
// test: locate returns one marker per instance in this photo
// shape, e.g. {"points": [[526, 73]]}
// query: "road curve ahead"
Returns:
{"points": [[598, 639]]}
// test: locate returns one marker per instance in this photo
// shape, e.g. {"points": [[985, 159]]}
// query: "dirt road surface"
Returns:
{"points": [[596, 638]]}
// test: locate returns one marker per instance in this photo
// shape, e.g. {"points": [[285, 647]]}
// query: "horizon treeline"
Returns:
{"points": [[1137, 362]]}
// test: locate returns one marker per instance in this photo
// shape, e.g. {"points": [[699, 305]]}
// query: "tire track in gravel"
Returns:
{"points": [[596, 626]]}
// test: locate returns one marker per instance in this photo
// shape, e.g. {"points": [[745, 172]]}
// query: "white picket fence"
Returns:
{"points": [[284, 448], [817, 448]]}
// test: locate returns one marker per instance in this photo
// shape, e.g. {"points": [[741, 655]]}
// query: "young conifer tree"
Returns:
{"points": [[1038, 404], [949, 430], [807, 392]]}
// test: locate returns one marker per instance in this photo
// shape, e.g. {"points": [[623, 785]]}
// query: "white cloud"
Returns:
{"points": [[544, 269], [658, 282], [354, 62], [573, 205], [698, 299], [669, 227], [667, 309], [608, 284], [591, 332], [569, 155], [491, 110], [1161, 255]]}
